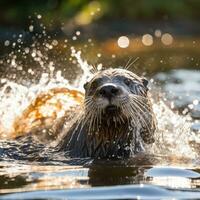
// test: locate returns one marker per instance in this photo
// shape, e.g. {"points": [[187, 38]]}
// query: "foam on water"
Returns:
{"points": [[173, 133]]}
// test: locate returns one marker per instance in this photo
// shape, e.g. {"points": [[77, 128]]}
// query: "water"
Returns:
{"points": [[169, 169]]}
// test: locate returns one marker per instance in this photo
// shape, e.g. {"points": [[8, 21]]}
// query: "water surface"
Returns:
{"points": [[169, 169]]}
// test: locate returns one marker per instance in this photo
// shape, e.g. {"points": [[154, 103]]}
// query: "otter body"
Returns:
{"points": [[116, 120]]}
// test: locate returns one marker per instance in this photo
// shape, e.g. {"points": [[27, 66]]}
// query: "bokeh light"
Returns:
{"points": [[147, 40], [167, 39], [123, 42], [158, 33]]}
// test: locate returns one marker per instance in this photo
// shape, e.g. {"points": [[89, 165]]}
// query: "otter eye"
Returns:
{"points": [[145, 82], [127, 82], [94, 84], [85, 85]]}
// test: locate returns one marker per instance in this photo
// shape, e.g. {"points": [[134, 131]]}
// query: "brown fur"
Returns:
{"points": [[120, 134]]}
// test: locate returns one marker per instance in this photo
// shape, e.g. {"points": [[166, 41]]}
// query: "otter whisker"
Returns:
{"points": [[139, 106], [88, 101], [90, 116], [143, 107], [128, 111], [100, 111], [131, 113], [89, 113], [76, 127], [138, 96], [142, 118], [141, 102], [130, 64], [129, 60], [95, 125], [81, 128], [94, 69], [96, 119], [92, 121]]}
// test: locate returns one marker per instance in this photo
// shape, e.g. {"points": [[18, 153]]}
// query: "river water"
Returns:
{"points": [[170, 168]]}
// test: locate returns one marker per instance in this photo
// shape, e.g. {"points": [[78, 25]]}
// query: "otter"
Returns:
{"points": [[116, 120]]}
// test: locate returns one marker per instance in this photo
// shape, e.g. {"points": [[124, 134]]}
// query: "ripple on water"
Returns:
{"points": [[173, 177], [117, 192]]}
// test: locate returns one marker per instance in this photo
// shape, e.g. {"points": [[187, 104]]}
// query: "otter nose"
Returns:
{"points": [[109, 90]]}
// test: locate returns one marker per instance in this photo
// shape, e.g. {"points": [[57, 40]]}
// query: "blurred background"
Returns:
{"points": [[104, 18], [162, 34]]}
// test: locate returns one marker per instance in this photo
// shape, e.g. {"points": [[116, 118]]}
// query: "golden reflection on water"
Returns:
{"points": [[41, 177]]}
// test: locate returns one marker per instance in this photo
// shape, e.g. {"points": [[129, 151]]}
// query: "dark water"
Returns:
{"points": [[165, 172]]}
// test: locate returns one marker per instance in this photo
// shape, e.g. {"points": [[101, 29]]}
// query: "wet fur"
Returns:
{"points": [[98, 134]]}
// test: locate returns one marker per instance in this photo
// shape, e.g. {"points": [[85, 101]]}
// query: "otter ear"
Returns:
{"points": [[85, 85], [145, 82]]}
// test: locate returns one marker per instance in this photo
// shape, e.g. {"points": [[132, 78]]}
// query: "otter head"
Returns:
{"points": [[113, 91], [116, 118]]}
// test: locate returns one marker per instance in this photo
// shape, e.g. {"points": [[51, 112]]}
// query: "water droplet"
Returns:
{"points": [[78, 32], [39, 16], [26, 50], [7, 43], [191, 106], [31, 28], [13, 44], [196, 102], [55, 42], [33, 54], [172, 105], [99, 67]]}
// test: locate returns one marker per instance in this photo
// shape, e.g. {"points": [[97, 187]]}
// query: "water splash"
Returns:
{"points": [[173, 135], [86, 69], [15, 97]]}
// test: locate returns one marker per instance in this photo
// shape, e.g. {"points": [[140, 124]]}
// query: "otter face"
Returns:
{"points": [[110, 90], [117, 96], [117, 114]]}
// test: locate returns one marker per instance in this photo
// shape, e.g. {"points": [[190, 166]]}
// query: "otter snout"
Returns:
{"points": [[109, 90]]}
